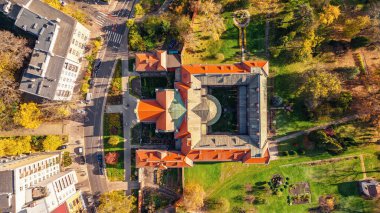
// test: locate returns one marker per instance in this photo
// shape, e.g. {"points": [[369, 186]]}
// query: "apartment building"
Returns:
{"points": [[34, 183], [59, 48]]}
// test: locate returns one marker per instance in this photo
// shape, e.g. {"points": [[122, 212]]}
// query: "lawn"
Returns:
{"points": [[335, 178], [227, 97], [113, 126], [115, 93]]}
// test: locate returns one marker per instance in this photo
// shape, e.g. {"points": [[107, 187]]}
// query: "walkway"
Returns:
{"points": [[363, 166], [273, 144], [56, 128]]}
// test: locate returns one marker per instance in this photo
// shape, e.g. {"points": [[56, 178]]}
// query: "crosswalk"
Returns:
{"points": [[114, 37], [101, 19]]}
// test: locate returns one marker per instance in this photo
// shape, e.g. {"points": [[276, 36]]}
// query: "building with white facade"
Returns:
{"points": [[59, 48], [34, 183]]}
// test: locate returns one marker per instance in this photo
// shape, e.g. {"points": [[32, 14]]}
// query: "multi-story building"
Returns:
{"points": [[34, 183], [59, 48]]}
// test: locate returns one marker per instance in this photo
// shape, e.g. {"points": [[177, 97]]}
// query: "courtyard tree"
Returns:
{"points": [[28, 116], [52, 142], [329, 14], [139, 10], [194, 195], [66, 159], [116, 201], [318, 85], [113, 140]]}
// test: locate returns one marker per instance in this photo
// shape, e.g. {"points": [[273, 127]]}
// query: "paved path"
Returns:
{"points": [[273, 144], [363, 166], [57, 128]]}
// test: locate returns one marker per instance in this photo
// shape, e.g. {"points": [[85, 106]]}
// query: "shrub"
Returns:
{"points": [[276, 101], [348, 72], [284, 153], [292, 152], [301, 151], [359, 41], [214, 47], [343, 101], [112, 158]]}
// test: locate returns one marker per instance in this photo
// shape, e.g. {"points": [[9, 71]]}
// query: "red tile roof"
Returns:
{"points": [[150, 61]]}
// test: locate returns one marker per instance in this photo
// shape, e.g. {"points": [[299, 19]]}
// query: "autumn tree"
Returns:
{"points": [[318, 85], [113, 140], [353, 26], [329, 15], [193, 197], [52, 142], [139, 10], [116, 201], [28, 116], [211, 21], [15, 146]]}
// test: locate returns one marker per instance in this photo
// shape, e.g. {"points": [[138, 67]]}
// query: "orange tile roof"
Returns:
{"points": [[161, 159], [223, 68], [149, 110], [149, 62]]}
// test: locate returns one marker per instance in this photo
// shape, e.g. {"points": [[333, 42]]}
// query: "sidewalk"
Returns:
{"points": [[56, 128]]}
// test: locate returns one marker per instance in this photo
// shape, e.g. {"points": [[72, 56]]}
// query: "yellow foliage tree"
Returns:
{"points": [[52, 142], [28, 116], [15, 146], [353, 26], [113, 140], [193, 197], [329, 15], [116, 201], [139, 10]]}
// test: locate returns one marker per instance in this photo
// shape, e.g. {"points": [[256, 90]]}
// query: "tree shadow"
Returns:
{"points": [[347, 189]]}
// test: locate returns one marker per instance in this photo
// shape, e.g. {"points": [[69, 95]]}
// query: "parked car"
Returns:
{"points": [[88, 98], [80, 150], [82, 160], [91, 82], [62, 147], [97, 64]]}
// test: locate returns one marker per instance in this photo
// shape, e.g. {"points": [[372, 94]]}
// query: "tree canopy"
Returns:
{"points": [[28, 116], [194, 196], [116, 201], [329, 15], [52, 142], [15, 146], [113, 140], [353, 26]]}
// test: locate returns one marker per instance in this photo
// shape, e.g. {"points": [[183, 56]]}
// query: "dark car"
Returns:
{"points": [[100, 160], [62, 147], [97, 64], [82, 160]]}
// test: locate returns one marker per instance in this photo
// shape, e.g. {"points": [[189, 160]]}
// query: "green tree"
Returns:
{"points": [[28, 116], [353, 26], [329, 15], [52, 142], [113, 140], [116, 201], [194, 195], [318, 85]]}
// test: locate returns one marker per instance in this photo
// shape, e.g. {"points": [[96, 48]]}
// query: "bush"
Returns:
{"points": [[284, 153], [343, 101], [301, 151], [359, 41], [66, 159], [276, 101], [214, 47], [348, 72], [292, 152]]}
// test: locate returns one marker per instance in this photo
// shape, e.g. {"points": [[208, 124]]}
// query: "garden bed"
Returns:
{"points": [[115, 93], [144, 134], [113, 127]]}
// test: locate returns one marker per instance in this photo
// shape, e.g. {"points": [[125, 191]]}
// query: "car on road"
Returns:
{"points": [[97, 64], [80, 150], [82, 160], [91, 82], [88, 98], [62, 147]]}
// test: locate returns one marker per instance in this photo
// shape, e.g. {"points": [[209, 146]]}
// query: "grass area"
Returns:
{"points": [[227, 97], [337, 178], [69, 9], [150, 84], [115, 93], [113, 126], [256, 35]]}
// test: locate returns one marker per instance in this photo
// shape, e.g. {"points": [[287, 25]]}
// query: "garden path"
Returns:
{"points": [[363, 166], [273, 144]]}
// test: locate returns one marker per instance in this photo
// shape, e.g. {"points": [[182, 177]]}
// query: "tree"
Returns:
{"points": [[66, 159], [130, 23], [210, 12], [318, 85], [28, 116], [113, 140], [218, 205], [329, 15], [15, 146], [116, 201], [353, 26], [52, 142], [139, 10], [193, 197]]}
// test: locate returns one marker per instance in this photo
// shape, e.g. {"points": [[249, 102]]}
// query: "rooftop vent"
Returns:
{"points": [[7, 7], [34, 26]]}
